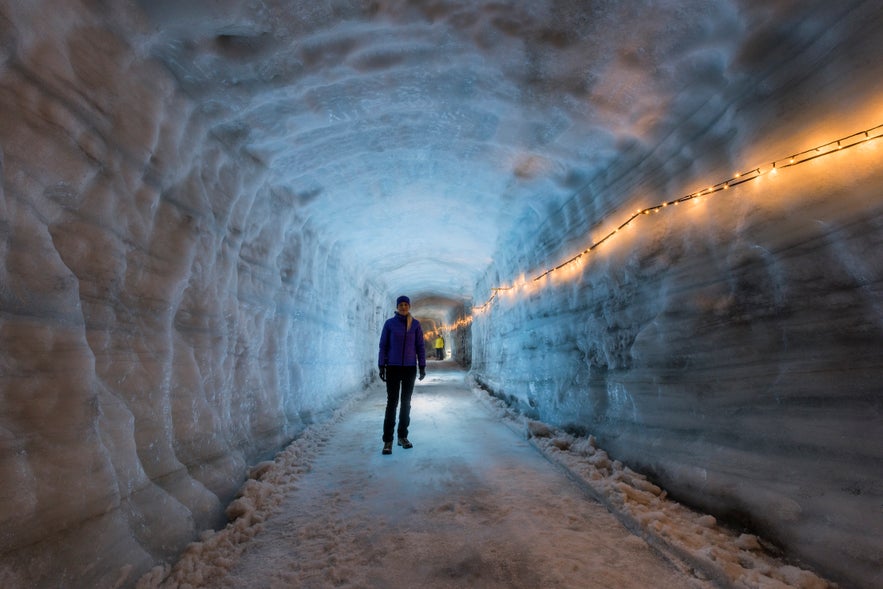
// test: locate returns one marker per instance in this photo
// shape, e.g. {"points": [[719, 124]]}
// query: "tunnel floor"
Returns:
{"points": [[473, 504]]}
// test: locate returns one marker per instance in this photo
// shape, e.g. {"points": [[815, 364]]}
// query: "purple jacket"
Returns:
{"points": [[398, 348]]}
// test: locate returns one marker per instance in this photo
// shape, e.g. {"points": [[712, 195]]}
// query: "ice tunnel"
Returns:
{"points": [[655, 221]]}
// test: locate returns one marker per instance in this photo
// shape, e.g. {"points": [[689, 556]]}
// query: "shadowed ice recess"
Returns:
{"points": [[209, 207]]}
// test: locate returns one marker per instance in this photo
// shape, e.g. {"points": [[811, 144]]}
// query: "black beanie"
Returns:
{"points": [[403, 299]]}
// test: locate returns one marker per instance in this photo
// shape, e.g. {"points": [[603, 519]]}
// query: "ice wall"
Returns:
{"points": [[461, 349], [729, 347], [166, 317], [192, 193]]}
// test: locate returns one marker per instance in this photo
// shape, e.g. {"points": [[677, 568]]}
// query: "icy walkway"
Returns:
{"points": [[472, 505]]}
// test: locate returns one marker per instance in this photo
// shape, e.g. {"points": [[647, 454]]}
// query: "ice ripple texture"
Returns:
{"points": [[191, 261]]}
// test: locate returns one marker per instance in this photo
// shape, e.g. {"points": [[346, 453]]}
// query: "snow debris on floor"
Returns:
{"points": [[458, 526], [727, 558], [269, 482]]}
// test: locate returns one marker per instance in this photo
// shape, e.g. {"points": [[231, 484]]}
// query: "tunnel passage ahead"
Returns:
{"points": [[207, 209]]}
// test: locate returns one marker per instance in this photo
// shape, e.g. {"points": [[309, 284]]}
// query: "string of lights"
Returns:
{"points": [[737, 179]]}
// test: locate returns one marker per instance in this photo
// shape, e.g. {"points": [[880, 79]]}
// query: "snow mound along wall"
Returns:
{"points": [[208, 559], [694, 542]]}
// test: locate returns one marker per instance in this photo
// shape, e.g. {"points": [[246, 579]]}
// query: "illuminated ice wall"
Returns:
{"points": [[207, 207]]}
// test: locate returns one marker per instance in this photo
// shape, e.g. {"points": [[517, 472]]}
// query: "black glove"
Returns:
{"points": [[422, 373], [382, 373]]}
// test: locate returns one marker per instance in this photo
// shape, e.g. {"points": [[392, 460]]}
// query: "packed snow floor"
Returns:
{"points": [[473, 504]]}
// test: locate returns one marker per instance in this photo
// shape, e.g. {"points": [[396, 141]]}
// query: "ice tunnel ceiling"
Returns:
{"points": [[424, 137]]}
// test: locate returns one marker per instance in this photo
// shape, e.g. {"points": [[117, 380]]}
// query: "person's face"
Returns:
{"points": [[403, 308]]}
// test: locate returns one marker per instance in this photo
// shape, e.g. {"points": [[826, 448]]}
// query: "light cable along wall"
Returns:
{"points": [[834, 146]]}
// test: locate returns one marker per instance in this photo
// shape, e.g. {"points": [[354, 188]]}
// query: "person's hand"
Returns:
{"points": [[382, 373], [422, 373]]}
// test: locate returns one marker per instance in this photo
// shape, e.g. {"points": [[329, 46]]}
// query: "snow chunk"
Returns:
{"points": [[538, 429], [708, 521], [748, 542]]}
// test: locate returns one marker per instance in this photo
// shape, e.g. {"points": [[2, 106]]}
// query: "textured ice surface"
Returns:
{"points": [[206, 208]]}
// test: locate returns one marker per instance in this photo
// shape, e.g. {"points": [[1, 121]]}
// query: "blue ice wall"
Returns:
{"points": [[728, 346]]}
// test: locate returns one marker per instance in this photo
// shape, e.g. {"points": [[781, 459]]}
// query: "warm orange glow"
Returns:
{"points": [[575, 265]]}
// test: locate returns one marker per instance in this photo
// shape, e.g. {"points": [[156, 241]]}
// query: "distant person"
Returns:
{"points": [[402, 352], [439, 348]]}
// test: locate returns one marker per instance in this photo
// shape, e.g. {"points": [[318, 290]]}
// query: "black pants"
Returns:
{"points": [[396, 377]]}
